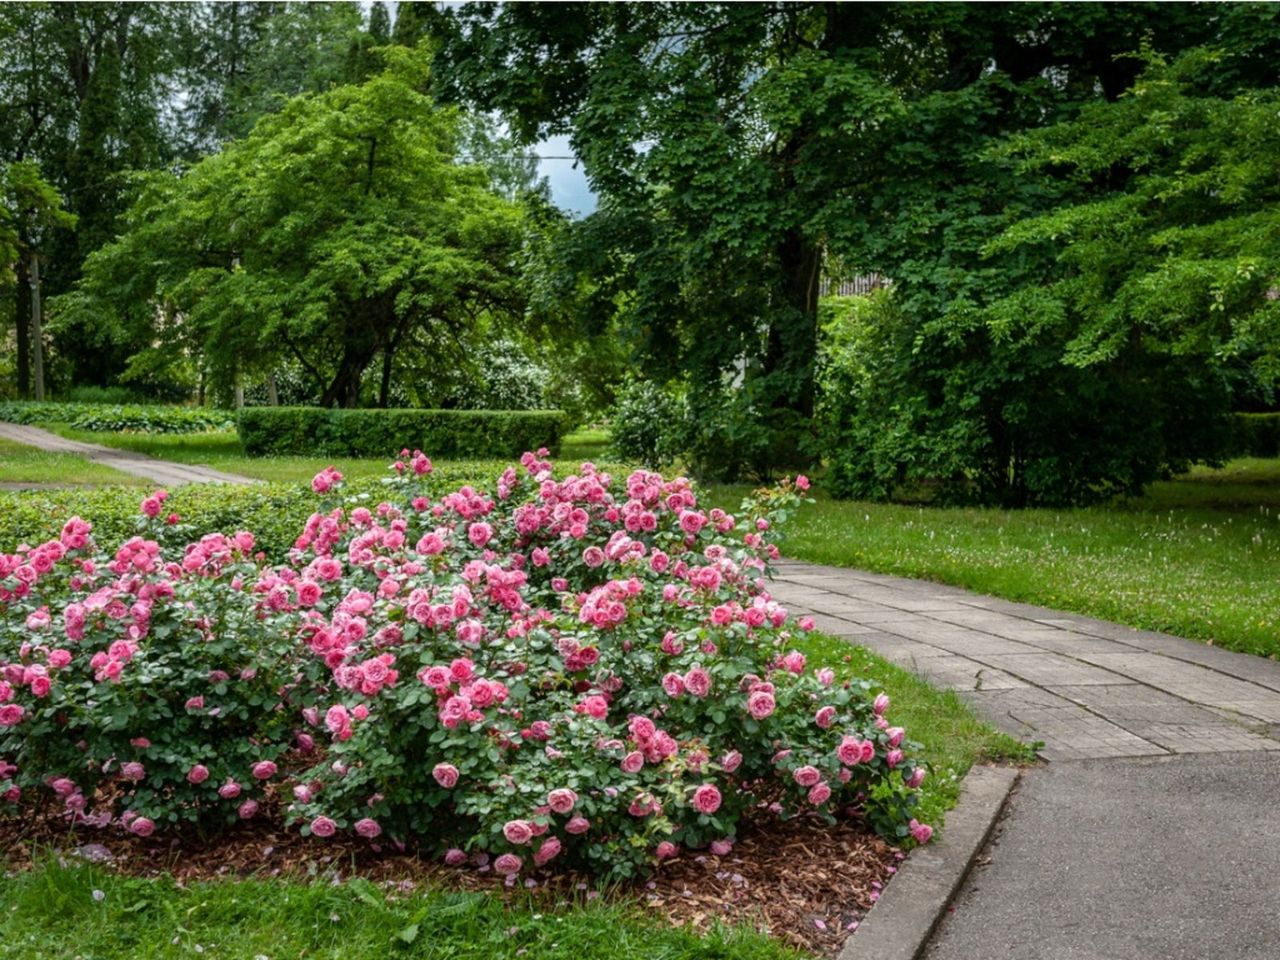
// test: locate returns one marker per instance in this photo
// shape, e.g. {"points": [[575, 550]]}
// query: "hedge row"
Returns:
{"points": [[1257, 435], [105, 417], [312, 431]]}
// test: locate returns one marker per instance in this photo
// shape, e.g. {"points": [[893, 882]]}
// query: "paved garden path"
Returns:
{"points": [[161, 472], [1152, 834]]}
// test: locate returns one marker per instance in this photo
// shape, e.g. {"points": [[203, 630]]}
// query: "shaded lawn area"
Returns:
{"points": [[20, 463], [1197, 556]]}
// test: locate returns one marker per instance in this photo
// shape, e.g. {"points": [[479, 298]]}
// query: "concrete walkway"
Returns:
{"points": [[1152, 832], [161, 472]]}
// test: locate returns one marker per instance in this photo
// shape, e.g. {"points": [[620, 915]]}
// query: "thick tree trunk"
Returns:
{"points": [[344, 388], [273, 395], [793, 334]]}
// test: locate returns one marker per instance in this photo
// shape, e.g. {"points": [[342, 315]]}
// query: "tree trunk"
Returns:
{"points": [[384, 388], [344, 388], [273, 395], [793, 334], [37, 329], [22, 305], [239, 388]]}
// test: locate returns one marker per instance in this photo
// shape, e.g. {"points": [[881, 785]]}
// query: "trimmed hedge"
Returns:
{"points": [[112, 418], [1256, 435], [312, 431]]}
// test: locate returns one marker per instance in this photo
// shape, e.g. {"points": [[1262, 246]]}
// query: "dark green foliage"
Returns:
{"points": [[969, 415], [1256, 435], [102, 417], [312, 431]]}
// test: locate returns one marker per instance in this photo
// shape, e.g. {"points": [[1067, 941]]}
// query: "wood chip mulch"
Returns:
{"points": [[801, 880]]}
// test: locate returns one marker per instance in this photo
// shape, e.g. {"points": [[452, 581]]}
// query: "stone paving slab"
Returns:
{"points": [[161, 472], [1085, 688]]}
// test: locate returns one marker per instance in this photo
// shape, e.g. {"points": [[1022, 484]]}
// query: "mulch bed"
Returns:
{"points": [[802, 881]]}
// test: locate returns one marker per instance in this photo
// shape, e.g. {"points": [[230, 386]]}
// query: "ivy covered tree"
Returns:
{"points": [[340, 231]]}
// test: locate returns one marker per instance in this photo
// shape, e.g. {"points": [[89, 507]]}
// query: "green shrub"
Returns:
{"points": [[1256, 435], [112, 418], [646, 424], [311, 431]]}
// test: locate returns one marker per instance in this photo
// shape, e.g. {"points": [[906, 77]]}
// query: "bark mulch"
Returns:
{"points": [[801, 880]]}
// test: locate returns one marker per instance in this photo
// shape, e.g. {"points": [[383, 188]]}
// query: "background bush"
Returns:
{"points": [[645, 424], [980, 413], [311, 431]]}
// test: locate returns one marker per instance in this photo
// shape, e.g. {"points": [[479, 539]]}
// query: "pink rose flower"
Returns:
{"points": [[547, 852], [446, 775], [666, 850], [368, 828], [143, 827], [806, 776], [133, 771], [819, 794], [248, 810], [880, 704], [508, 865], [264, 770], [11, 714], [198, 774], [577, 825], [454, 857], [562, 800], [517, 831], [825, 717], [697, 681], [323, 827], [731, 761], [633, 762], [761, 704], [706, 799], [922, 832], [229, 790], [914, 778]]}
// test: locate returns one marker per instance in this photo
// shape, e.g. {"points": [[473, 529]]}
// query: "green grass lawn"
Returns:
{"points": [[1198, 556], [20, 463], [56, 912], [222, 450]]}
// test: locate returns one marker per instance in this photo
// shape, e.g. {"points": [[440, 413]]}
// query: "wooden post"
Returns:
{"points": [[37, 332]]}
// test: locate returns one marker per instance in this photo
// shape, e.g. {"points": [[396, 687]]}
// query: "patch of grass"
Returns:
{"points": [[1196, 556], [222, 451], [20, 463], [53, 911], [952, 737]]}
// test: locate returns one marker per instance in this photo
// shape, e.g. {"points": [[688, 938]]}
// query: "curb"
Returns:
{"points": [[900, 924]]}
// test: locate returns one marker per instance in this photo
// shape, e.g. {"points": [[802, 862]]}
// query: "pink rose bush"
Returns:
{"points": [[587, 671]]}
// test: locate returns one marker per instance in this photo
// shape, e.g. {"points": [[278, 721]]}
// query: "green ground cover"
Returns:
{"points": [[20, 463]]}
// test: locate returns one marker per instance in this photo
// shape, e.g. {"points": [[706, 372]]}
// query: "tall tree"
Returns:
{"points": [[339, 231]]}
